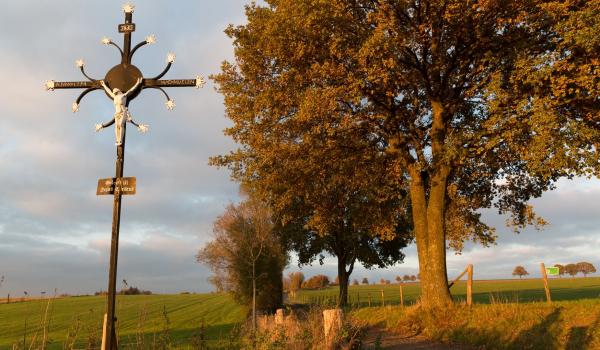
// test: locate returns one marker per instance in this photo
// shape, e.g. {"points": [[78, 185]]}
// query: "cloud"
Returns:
{"points": [[55, 232]]}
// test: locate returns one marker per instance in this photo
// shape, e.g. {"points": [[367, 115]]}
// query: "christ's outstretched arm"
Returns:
{"points": [[137, 83], [107, 89]]}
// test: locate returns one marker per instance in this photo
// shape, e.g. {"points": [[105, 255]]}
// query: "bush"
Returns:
{"points": [[316, 282], [134, 291]]}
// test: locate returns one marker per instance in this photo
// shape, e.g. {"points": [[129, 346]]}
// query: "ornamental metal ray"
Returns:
{"points": [[125, 75]]}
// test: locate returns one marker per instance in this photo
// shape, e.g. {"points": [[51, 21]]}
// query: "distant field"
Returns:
{"points": [[484, 292], [82, 316]]}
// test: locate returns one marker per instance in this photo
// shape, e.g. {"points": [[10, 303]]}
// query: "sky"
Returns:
{"points": [[55, 231]]}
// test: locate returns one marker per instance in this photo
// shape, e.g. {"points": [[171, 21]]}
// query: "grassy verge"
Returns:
{"points": [[151, 319], [562, 325]]}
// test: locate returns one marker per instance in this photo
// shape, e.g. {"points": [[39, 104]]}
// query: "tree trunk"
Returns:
{"points": [[253, 296], [428, 218], [343, 277]]}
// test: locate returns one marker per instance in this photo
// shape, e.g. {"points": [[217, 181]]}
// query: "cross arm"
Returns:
{"points": [[52, 85], [170, 83], [160, 84]]}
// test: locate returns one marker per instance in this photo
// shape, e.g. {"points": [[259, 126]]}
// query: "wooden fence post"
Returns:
{"points": [[401, 296], [103, 346], [358, 298], [545, 278], [382, 298], [369, 299], [470, 284]]}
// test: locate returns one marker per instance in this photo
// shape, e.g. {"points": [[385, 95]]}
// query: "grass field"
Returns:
{"points": [[82, 317], [484, 292]]}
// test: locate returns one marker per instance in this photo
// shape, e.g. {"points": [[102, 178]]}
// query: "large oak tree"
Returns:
{"points": [[444, 93]]}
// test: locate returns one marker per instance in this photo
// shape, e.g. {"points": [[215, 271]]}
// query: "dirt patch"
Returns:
{"points": [[393, 341]]}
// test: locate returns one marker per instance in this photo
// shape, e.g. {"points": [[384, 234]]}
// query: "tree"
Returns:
{"points": [[382, 281], [406, 278], [323, 190], [296, 279], [520, 271], [435, 93], [246, 256], [571, 269], [398, 279], [355, 282], [561, 269], [413, 278], [585, 268], [365, 280]]}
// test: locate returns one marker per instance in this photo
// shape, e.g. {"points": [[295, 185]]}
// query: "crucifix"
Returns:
{"points": [[122, 84]]}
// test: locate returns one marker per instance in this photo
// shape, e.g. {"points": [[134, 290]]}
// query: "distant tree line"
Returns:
{"points": [[572, 270]]}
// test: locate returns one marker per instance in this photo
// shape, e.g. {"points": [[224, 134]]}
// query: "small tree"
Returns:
{"points": [[406, 278], [413, 278], [561, 269], [355, 282], [520, 271], [295, 280], [365, 280], [571, 269], [382, 281], [246, 256], [585, 268], [398, 279]]}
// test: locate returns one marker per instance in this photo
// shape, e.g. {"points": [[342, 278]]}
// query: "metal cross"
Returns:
{"points": [[126, 78]]}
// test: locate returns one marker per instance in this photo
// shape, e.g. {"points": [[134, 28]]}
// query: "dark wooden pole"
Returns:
{"points": [[114, 251]]}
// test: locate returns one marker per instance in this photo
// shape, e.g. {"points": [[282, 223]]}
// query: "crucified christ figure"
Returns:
{"points": [[122, 114]]}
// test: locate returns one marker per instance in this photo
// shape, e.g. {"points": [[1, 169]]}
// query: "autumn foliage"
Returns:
{"points": [[379, 120]]}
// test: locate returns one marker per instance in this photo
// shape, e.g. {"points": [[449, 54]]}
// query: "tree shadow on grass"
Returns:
{"points": [[540, 336], [580, 338]]}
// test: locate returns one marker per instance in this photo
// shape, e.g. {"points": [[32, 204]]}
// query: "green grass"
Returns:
{"points": [[484, 292], [184, 312], [220, 313]]}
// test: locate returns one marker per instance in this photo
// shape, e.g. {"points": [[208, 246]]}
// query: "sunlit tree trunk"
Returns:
{"points": [[428, 216]]}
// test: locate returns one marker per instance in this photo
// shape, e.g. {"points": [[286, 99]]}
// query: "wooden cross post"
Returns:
{"points": [[124, 77]]}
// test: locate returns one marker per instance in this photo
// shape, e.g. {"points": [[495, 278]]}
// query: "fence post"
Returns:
{"points": [[545, 278], [382, 298], [401, 296], [103, 346], [470, 284], [369, 299], [358, 298]]}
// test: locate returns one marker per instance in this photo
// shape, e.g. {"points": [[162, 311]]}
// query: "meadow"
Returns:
{"points": [[187, 319], [147, 319]]}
